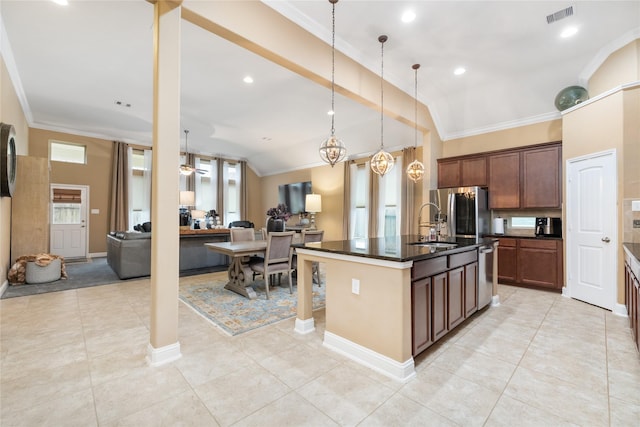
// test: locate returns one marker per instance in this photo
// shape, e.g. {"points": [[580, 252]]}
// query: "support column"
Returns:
{"points": [[165, 238]]}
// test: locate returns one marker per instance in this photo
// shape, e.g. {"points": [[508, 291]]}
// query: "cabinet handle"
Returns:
{"points": [[606, 239]]}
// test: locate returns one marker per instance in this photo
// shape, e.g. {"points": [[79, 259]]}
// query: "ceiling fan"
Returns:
{"points": [[186, 169]]}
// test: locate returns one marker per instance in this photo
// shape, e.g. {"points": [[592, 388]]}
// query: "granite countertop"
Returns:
{"points": [[633, 249], [515, 236], [397, 248]]}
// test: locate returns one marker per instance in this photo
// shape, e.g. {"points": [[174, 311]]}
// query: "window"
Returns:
{"points": [[67, 152], [231, 192], [359, 201], [206, 184], [139, 186], [389, 196], [66, 206]]}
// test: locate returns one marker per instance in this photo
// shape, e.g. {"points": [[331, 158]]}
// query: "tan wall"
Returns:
{"points": [[509, 138], [10, 112], [631, 172], [96, 174], [326, 181], [622, 66]]}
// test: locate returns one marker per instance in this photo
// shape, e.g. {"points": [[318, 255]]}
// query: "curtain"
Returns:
{"points": [[221, 185], [374, 201], [408, 189], [346, 201], [191, 179], [119, 210], [244, 197]]}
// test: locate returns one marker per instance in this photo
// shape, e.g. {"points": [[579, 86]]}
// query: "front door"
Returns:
{"points": [[69, 220], [592, 229]]}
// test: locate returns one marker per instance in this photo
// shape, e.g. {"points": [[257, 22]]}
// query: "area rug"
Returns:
{"points": [[236, 314]]}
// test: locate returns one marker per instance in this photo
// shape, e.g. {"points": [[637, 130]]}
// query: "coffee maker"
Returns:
{"points": [[548, 227]]}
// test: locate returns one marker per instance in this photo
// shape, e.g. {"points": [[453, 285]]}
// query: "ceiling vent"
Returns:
{"points": [[561, 14]]}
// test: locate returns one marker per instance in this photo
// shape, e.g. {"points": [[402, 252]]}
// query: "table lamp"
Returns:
{"points": [[313, 205]]}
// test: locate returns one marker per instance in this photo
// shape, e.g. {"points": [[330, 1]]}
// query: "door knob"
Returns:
{"points": [[606, 239]]}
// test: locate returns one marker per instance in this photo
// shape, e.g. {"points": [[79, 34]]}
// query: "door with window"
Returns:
{"points": [[69, 220]]}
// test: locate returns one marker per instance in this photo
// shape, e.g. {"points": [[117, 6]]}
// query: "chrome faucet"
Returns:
{"points": [[421, 224]]}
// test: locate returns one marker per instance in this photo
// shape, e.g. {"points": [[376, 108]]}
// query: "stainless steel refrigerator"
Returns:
{"points": [[466, 211]]}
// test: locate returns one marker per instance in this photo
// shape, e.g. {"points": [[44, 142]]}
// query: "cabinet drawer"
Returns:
{"points": [[538, 244], [508, 242], [428, 267], [464, 258]]}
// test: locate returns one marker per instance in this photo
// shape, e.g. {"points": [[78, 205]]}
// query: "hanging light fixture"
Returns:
{"points": [[332, 150], [415, 170], [382, 162]]}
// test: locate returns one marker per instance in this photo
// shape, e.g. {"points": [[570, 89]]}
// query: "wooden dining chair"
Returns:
{"points": [[277, 258], [309, 236]]}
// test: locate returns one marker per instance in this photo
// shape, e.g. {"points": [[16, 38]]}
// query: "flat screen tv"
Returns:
{"points": [[294, 195]]}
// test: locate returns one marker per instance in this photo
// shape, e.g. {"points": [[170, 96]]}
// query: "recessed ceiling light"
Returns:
{"points": [[459, 71], [568, 32], [331, 112], [408, 16], [248, 79], [61, 2]]}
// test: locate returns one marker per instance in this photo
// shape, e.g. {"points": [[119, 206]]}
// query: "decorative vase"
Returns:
{"points": [[275, 224]]}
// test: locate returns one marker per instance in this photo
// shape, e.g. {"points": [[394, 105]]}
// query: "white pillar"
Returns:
{"points": [[165, 238]]}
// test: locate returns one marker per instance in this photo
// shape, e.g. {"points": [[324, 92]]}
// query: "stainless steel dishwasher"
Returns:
{"points": [[485, 274]]}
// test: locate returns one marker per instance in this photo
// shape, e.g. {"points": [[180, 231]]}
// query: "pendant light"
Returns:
{"points": [[332, 150], [415, 170], [382, 162]]}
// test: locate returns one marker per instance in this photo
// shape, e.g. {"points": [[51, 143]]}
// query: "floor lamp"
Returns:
{"points": [[313, 205]]}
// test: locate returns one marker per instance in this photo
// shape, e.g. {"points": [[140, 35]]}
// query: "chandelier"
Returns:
{"points": [[382, 162], [415, 170], [332, 150]]}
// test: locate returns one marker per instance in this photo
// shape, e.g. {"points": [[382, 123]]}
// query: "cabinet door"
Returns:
{"points": [[448, 173], [504, 181], [541, 178], [470, 289], [421, 314], [538, 263], [439, 306], [507, 260], [628, 292], [456, 297], [473, 172]]}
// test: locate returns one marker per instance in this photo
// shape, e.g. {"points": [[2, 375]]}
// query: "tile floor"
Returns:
{"points": [[77, 358]]}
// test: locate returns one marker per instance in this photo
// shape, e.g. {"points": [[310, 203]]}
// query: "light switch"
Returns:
{"points": [[95, 211], [635, 205], [355, 286]]}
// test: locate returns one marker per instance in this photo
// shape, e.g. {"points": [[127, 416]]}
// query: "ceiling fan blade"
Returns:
{"points": [[201, 171]]}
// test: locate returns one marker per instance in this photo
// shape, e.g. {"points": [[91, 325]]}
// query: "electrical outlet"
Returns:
{"points": [[635, 205], [355, 286], [636, 223]]}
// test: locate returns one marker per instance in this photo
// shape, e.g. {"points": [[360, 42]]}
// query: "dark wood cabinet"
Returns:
{"points": [[456, 297], [531, 262], [507, 260], [470, 289], [449, 173], [541, 174], [439, 307], [462, 172], [444, 292], [632, 299], [504, 181], [421, 319]]}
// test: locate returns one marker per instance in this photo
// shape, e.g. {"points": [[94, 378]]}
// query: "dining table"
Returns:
{"points": [[239, 271]]}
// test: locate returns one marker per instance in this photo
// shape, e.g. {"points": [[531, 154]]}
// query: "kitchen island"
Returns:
{"points": [[373, 314]]}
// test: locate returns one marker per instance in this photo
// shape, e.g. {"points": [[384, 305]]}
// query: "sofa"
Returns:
{"points": [[129, 253]]}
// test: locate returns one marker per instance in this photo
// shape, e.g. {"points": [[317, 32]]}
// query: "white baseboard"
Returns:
{"points": [[620, 310], [495, 300], [305, 326], [402, 372], [4, 287], [163, 355], [565, 292], [97, 255]]}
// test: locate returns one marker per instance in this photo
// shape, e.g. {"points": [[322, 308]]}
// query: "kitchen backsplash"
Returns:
{"points": [[630, 234], [508, 214]]}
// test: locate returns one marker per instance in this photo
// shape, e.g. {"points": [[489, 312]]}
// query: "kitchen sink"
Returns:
{"points": [[437, 245]]}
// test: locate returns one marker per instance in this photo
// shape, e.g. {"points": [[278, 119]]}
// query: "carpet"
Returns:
{"points": [[236, 314]]}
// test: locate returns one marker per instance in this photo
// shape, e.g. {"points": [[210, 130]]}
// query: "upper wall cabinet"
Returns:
{"points": [[524, 178], [462, 172]]}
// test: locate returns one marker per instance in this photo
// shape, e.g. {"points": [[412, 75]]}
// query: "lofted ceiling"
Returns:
{"points": [[86, 69]]}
